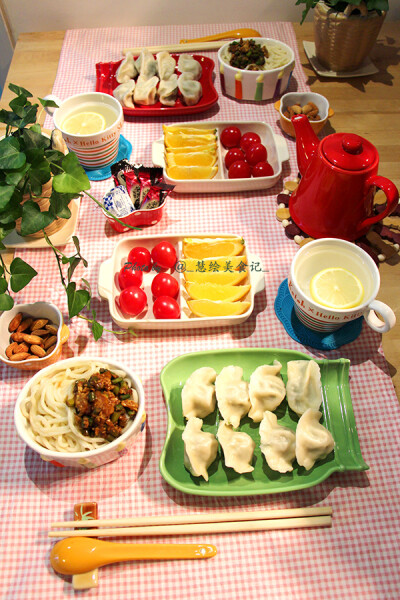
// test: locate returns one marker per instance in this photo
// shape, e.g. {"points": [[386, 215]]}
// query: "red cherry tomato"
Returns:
{"points": [[140, 258], [164, 255], [262, 169], [165, 307], [232, 156], [255, 154], [239, 169], [164, 285], [248, 139], [230, 137], [129, 276], [132, 300]]}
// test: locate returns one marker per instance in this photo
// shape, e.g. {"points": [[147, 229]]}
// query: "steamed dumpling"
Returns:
{"points": [[313, 441], [124, 93], [303, 388], [146, 91], [238, 448], [232, 395], [267, 390], [278, 443], [146, 64], [188, 64], [190, 89], [127, 69], [200, 448], [165, 65], [198, 393], [168, 90]]}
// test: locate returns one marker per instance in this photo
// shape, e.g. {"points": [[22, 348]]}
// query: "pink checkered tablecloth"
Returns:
{"points": [[357, 558]]}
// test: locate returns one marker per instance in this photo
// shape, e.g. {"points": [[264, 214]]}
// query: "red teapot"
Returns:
{"points": [[339, 179]]}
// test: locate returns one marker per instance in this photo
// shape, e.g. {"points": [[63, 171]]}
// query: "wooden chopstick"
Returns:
{"points": [[200, 528], [280, 513], [191, 47]]}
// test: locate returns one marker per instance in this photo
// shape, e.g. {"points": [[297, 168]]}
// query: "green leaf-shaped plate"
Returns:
{"points": [[336, 408]]}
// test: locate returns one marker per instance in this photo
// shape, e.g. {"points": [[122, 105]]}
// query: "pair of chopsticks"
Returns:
{"points": [[188, 47], [262, 520]]}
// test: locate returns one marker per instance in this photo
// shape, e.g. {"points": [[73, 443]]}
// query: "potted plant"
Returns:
{"points": [[345, 31], [37, 184]]}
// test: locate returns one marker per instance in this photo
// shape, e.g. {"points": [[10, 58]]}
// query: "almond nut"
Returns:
{"points": [[39, 324], [20, 356], [25, 324], [22, 348], [41, 332], [52, 329], [11, 349], [50, 350], [17, 336], [31, 339], [15, 322], [40, 352], [50, 342]]}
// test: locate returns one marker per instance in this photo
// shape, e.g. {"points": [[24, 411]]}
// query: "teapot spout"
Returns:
{"points": [[306, 142]]}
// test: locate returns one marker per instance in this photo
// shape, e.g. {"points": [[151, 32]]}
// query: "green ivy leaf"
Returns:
{"points": [[77, 299], [10, 155], [3, 285], [17, 89], [56, 157], [36, 128], [19, 105], [73, 263], [6, 302], [59, 204], [21, 274], [6, 192], [33, 219], [14, 177], [51, 103], [74, 180], [34, 139], [97, 330], [29, 116], [12, 212]]}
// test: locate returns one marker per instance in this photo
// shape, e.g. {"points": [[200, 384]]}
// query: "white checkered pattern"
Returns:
{"points": [[358, 558]]}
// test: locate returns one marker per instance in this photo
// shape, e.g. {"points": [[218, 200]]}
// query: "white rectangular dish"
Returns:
{"points": [[108, 286], [277, 153]]}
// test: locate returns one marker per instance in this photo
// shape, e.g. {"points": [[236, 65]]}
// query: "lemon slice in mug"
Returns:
{"points": [[336, 288], [84, 123]]}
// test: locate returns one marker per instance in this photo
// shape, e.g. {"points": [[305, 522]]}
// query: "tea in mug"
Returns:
{"points": [[89, 118]]}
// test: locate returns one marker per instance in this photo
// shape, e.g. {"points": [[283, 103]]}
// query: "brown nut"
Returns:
{"points": [[306, 108], [20, 356], [38, 350], [21, 348], [41, 332], [313, 114], [31, 339], [17, 336], [296, 108], [11, 349], [52, 329], [39, 324], [50, 341], [15, 322], [50, 350], [25, 324]]}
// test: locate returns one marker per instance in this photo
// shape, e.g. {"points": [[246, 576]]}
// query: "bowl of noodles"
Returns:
{"points": [[255, 68], [81, 412]]}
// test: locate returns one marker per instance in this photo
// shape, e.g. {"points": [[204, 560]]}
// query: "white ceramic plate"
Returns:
{"points": [[277, 153], [108, 288]]}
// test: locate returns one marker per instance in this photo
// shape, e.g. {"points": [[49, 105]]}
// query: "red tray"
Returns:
{"points": [[106, 83]]}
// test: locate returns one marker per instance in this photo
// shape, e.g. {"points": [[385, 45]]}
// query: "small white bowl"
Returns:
{"points": [[302, 98], [242, 84], [91, 458]]}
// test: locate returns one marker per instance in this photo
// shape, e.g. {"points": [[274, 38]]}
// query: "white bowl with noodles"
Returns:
{"points": [[270, 81], [65, 373]]}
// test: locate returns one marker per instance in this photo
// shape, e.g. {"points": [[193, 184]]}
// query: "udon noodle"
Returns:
{"points": [[49, 421], [278, 57]]}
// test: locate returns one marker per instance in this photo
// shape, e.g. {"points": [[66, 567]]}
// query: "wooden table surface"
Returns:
{"points": [[368, 106]]}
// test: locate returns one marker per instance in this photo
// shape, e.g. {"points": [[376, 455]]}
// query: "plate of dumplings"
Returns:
{"points": [[253, 421], [159, 84]]}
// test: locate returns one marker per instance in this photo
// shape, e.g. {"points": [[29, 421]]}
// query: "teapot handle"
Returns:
{"points": [[392, 196]]}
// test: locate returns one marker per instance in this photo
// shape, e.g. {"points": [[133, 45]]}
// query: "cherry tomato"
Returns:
{"points": [[164, 285], [165, 307], [255, 154], [132, 300], [230, 137], [262, 169], [128, 276], [248, 139], [164, 255], [140, 258], [232, 156], [239, 169]]}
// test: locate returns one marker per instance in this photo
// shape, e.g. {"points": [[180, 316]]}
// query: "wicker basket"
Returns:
{"points": [[43, 204], [344, 40]]}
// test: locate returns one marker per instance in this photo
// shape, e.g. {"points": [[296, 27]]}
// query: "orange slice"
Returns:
{"points": [[216, 292], [187, 130], [208, 158], [207, 308], [221, 264], [190, 149], [178, 172], [198, 248], [177, 140], [218, 278]]}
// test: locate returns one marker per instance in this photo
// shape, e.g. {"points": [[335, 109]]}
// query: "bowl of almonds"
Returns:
{"points": [[32, 336], [315, 106]]}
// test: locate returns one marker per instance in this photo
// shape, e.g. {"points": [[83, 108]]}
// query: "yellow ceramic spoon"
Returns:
{"points": [[243, 32], [71, 556]]}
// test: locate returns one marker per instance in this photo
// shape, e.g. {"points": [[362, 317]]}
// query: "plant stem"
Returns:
{"points": [[109, 213], [130, 331]]}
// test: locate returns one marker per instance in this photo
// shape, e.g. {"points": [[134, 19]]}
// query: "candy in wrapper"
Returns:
{"points": [[118, 202]]}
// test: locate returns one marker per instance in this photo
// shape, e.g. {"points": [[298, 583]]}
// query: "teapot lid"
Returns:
{"points": [[349, 151]]}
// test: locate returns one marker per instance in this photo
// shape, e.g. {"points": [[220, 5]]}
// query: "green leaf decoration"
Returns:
{"points": [[10, 155], [18, 105], [55, 157], [36, 128], [74, 179], [21, 274], [17, 89], [59, 204], [39, 173], [34, 139], [6, 302], [73, 263], [3, 285], [8, 117], [29, 116], [14, 177], [97, 329], [6, 192], [77, 299], [33, 219], [12, 212], [51, 103]]}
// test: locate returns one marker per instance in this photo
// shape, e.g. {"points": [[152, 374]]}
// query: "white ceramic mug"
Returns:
{"points": [[96, 150], [332, 252]]}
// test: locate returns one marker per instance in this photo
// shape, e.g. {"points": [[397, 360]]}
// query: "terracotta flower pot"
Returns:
{"points": [[342, 39]]}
